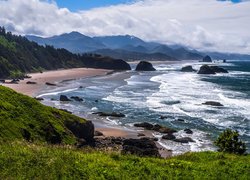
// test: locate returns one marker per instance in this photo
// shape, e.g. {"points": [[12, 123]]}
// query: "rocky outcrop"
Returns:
{"points": [[31, 82], [205, 69], [113, 114], [188, 69], [98, 133], [207, 59], [140, 147], [145, 66], [155, 127], [106, 63], [64, 98], [213, 103], [188, 131], [184, 140], [144, 125], [50, 84], [168, 137], [76, 98], [38, 98], [218, 69], [82, 130]]}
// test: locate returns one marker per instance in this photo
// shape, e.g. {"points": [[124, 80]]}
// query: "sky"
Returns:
{"points": [[211, 25]]}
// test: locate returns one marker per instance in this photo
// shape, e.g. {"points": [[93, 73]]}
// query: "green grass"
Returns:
{"points": [[5, 43], [20, 160], [24, 117]]}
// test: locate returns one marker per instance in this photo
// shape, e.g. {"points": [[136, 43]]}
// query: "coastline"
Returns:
{"points": [[59, 77], [54, 77]]}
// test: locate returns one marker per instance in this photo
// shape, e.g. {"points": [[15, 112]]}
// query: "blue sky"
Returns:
{"points": [[76, 5]]}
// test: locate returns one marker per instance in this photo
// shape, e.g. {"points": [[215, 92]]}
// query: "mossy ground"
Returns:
{"points": [[21, 160]]}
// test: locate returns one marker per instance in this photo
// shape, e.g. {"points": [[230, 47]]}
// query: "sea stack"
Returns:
{"points": [[145, 66], [207, 59]]}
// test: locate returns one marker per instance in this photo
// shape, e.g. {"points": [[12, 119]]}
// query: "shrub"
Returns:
{"points": [[229, 141]]}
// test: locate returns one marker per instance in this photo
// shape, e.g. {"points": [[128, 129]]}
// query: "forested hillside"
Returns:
{"points": [[18, 55]]}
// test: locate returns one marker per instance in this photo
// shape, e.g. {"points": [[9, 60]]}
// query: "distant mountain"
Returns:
{"points": [[118, 42], [132, 55], [179, 53], [74, 42], [127, 47]]}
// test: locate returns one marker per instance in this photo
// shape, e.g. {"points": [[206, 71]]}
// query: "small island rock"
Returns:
{"points": [[145, 66]]}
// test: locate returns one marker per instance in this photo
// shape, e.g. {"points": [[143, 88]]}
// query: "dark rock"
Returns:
{"points": [[217, 69], [188, 69], [65, 110], [98, 133], [141, 135], [76, 98], [113, 114], [205, 69], [169, 137], [144, 125], [155, 127], [188, 131], [96, 101], [145, 66], [64, 98], [14, 81], [184, 140], [80, 87], [150, 138], [140, 147], [181, 120], [207, 59], [82, 130], [38, 98], [31, 82], [50, 84], [224, 60], [163, 117], [2, 80], [81, 143], [166, 130], [27, 77], [212, 103]]}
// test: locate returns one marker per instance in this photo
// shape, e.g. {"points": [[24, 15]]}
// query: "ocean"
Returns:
{"points": [[168, 92]]}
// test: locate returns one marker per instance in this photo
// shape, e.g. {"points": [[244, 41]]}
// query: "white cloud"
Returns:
{"points": [[207, 25]]}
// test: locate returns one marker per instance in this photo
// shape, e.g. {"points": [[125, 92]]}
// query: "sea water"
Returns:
{"points": [[168, 93]]}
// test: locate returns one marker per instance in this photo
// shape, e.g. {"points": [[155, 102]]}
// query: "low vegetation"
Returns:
{"points": [[21, 160]]}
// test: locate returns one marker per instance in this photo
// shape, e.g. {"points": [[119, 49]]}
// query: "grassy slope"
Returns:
{"points": [[22, 116], [29, 161]]}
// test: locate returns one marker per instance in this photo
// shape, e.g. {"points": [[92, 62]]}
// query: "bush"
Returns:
{"points": [[229, 142]]}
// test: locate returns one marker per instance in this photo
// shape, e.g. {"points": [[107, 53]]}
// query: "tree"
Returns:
{"points": [[229, 142]]}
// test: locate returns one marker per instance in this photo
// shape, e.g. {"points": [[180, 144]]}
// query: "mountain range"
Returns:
{"points": [[127, 47]]}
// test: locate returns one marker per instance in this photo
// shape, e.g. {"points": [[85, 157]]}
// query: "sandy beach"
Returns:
{"points": [[53, 77]]}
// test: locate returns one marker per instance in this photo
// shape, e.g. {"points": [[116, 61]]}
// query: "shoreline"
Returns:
{"points": [[53, 77], [59, 77]]}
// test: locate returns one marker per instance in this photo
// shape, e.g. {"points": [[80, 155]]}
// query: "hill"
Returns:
{"points": [[18, 55], [22, 117]]}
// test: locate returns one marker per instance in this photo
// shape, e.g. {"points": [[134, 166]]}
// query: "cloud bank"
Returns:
{"points": [[205, 25]]}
